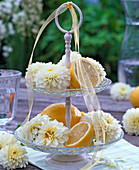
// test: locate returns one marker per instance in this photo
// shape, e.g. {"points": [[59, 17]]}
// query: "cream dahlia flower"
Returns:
{"points": [[6, 139], [73, 56], [43, 131], [13, 158], [30, 130], [104, 121], [120, 91], [131, 121], [86, 117], [53, 134], [53, 77], [33, 69]]}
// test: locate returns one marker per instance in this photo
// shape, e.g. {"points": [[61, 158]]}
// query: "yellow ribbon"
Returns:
{"points": [[69, 5]]}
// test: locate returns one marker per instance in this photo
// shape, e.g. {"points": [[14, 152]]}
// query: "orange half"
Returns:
{"points": [[89, 71], [58, 111], [81, 135]]}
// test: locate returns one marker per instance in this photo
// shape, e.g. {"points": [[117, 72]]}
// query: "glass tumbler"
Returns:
{"points": [[9, 87]]}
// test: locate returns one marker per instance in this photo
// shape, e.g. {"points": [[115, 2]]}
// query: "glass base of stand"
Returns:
{"points": [[67, 162]]}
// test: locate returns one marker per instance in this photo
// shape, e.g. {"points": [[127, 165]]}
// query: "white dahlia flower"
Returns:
{"points": [[13, 156], [52, 134], [30, 130], [53, 77], [104, 121], [43, 131], [120, 91], [6, 139], [33, 69], [131, 121]]}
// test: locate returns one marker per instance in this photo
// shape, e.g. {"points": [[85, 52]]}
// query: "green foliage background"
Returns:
{"points": [[100, 36]]}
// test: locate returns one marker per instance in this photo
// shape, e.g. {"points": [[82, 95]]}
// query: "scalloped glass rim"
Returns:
{"points": [[67, 151], [72, 92]]}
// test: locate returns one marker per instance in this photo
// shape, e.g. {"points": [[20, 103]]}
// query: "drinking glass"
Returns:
{"points": [[9, 87]]}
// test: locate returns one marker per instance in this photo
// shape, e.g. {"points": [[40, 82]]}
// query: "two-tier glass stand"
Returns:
{"points": [[67, 158]]}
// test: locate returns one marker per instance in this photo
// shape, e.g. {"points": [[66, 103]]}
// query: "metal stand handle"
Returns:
{"points": [[68, 38]]}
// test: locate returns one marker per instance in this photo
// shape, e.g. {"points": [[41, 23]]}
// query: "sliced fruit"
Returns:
{"points": [[81, 135], [134, 97], [88, 71], [58, 111]]}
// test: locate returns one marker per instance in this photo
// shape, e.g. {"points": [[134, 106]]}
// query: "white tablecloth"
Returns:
{"points": [[121, 149]]}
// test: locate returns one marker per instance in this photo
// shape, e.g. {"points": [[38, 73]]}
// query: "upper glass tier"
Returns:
{"points": [[72, 92]]}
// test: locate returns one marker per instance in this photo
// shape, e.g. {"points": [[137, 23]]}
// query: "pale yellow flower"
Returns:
{"points": [[33, 69], [29, 130], [53, 77], [131, 121], [6, 139], [43, 131], [104, 121], [13, 158], [52, 134], [120, 91]]}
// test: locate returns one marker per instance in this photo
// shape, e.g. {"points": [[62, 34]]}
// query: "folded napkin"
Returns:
{"points": [[122, 149]]}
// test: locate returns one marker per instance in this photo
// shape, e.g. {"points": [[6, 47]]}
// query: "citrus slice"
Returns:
{"points": [[81, 135], [134, 97], [89, 71], [58, 111]]}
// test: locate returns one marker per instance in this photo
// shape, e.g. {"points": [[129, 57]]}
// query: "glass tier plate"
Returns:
{"points": [[64, 150], [72, 92]]}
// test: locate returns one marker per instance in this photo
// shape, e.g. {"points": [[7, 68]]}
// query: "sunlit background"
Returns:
{"points": [[100, 34]]}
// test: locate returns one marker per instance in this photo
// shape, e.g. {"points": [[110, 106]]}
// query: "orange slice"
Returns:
{"points": [[58, 111], [81, 135], [89, 69]]}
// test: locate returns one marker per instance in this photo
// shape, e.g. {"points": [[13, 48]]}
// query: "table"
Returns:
{"points": [[116, 108]]}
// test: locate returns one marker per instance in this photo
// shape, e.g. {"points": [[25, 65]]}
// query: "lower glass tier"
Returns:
{"points": [[64, 150]]}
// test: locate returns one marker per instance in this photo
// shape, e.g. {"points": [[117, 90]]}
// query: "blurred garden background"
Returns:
{"points": [[101, 33]]}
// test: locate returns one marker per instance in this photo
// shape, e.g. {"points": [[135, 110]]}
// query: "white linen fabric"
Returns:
{"points": [[122, 149]]}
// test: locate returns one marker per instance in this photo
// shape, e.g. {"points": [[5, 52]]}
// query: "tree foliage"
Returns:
{"points": [[101, 34]]}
